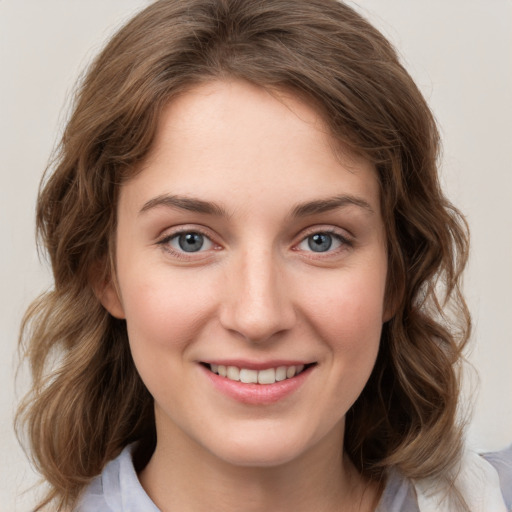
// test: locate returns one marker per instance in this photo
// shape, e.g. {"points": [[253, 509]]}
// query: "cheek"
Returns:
{"points": [[164, 309], [165, 314], [347, 315], [348, 303]]}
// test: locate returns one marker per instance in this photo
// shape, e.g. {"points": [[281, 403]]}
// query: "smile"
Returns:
{"points": [[251, 376], [257, 384]]}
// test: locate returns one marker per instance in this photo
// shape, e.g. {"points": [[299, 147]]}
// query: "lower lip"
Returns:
{"points": [[257, 394]]}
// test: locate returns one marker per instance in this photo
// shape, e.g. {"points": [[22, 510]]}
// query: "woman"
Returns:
{"points": [[254, 265]]}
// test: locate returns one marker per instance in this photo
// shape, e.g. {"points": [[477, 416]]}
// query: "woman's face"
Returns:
{"points": [[246, 247]]}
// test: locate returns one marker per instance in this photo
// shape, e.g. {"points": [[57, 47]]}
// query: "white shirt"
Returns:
{"points": [[118, 489]]}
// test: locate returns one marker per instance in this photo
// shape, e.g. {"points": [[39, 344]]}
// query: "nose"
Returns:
{"points": [[257, 304]]}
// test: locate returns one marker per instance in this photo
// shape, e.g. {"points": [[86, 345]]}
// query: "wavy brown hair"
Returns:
{"points": [[87, 400]]}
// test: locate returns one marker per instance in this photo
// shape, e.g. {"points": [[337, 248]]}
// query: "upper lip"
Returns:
{"points": [[257, 365]]}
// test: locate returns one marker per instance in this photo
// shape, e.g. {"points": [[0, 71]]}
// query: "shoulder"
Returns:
{"points": [[502, 463], [484, 481], [116, 489], [481, 480], [399, 495]]}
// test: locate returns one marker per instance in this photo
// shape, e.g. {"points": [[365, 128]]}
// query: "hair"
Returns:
{"points": [[87, 401]]}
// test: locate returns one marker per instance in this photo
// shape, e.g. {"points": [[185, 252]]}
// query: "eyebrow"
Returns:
{"points": [[210, 208], [184, 203], [329, 204]]}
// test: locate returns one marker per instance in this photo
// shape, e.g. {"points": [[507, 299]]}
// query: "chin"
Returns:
{"points": [[264, 450], [258, 456]]}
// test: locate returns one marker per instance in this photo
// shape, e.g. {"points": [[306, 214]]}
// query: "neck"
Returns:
{"points": [[183, 476]]}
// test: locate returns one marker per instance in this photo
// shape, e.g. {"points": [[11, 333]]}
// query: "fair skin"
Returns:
{"points": [[245, 242]]}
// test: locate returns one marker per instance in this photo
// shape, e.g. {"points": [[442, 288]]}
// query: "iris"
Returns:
{"points": [[191, 242], [320, 242]]}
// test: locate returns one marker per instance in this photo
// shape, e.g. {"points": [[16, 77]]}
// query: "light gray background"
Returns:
{"points": [[459, 52]]}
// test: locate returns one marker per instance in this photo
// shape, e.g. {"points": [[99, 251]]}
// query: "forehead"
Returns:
{"points": [[237, 136]]}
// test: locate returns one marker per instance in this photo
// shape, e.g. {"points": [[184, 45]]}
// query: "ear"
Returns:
{"points": [[389, 313], [392, 303], [109, 297], [106, 290]]}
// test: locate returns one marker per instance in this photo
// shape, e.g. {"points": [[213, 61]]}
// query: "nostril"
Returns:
{"points": [[257, 321]]}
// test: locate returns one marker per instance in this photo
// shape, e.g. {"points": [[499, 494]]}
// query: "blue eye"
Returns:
{"points": [[321, 242], [190, 241]]}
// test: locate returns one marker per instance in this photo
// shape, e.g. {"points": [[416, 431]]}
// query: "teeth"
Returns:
{"points": [[268, 376], [233, 373], [248, 376], [281, 373], [290, 372]]}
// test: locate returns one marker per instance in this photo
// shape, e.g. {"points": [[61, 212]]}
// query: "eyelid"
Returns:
{"points": [[181, 229], [171, 233], [346, 240], [326, 228]]}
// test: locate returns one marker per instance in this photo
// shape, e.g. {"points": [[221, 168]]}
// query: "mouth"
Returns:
{"points": [[252, 376]]}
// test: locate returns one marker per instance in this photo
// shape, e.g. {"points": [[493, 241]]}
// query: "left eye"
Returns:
{"points": [[320, 242], [190, 241]]}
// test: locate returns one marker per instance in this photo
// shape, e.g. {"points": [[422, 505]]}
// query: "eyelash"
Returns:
{"points": [[344, 241], [183, 255]]}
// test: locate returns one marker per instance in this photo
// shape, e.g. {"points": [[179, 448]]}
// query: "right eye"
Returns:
{"points": [[323, 242], [188, 241]]}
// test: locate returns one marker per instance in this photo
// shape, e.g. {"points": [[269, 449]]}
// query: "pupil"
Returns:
{"points": [[191, 242], [320, 242]]}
